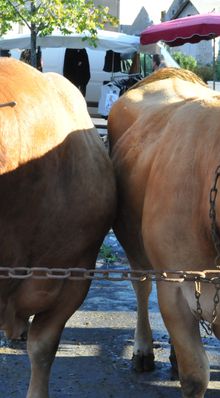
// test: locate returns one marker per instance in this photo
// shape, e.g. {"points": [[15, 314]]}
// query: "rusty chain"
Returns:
{"points": [[111, 274], [212, 216], [207, 326], [206, 276]]}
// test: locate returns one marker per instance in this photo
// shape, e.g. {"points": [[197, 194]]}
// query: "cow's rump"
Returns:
{"points": [[165, 142], [57, 202]]}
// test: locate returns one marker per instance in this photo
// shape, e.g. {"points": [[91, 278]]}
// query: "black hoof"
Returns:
{"points": [[174, 365], [24, 336], [144, 363]]}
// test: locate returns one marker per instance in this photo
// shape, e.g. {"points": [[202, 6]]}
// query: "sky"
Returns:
{"points": [[130, 8]]}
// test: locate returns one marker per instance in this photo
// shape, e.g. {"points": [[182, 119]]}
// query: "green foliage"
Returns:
{"points": [[185, 61], [146, 64], [43, 16], [107, 254], [218, 69], [205, 72]]}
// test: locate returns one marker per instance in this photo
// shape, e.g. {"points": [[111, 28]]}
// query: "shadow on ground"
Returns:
{"points": [[94, 357]]}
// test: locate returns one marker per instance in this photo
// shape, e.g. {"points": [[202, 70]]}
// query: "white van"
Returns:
{"points": [[54, 47], [53, 61]]}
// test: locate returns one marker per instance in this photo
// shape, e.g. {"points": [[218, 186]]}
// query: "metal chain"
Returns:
{"points": [[216, 300], [207, 326], [206, 276], [212, 216], [125, 274]]}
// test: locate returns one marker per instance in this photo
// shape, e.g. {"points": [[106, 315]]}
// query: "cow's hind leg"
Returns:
{"points": [[183, 327], [44, 336], [143, 357]]}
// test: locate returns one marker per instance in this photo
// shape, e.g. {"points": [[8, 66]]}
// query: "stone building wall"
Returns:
{"points": [[202, 51], [114, 6]]}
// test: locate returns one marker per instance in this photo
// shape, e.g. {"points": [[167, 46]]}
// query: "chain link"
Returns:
{"points": [[216, 301], [212, 216], [198, 277], [207, 326], [111, 274]]}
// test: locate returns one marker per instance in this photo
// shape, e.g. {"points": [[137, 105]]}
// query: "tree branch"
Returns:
{"points": [[21, 16]]}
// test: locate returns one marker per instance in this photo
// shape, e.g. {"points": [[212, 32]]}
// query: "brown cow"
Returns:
{"points": [[57, 202], [165, 145]]}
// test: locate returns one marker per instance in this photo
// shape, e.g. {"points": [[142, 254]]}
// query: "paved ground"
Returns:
{"points": [[93, 360]]}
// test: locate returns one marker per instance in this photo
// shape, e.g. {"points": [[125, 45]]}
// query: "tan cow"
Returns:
{"points": [[165, 146], [57, 202]]}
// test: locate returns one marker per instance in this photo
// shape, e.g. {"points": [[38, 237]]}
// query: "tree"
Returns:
{"points": [[185, 61], [43, 16], [205, 72]]}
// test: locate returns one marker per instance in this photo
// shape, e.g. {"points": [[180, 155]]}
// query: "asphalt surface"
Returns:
{"points": [[94, 356]]}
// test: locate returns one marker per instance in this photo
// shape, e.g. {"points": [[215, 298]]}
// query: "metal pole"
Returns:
{"points": [[214, 71], [113, 63]]}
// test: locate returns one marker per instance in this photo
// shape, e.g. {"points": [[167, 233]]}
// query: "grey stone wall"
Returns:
{"points": [[113, 10], [202, 51]]}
